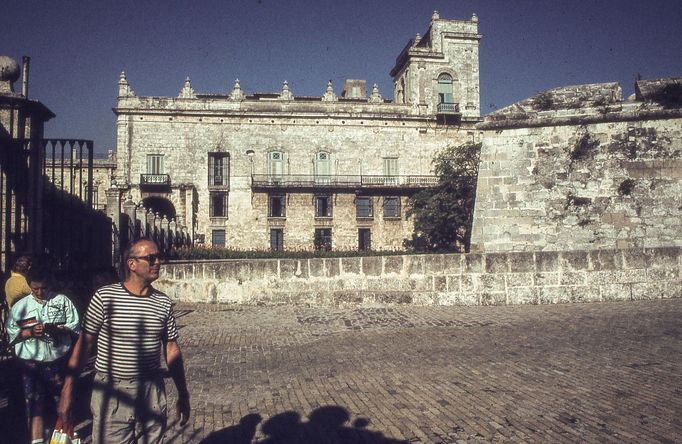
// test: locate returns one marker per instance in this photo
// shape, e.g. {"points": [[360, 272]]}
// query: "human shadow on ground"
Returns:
{"points": [[327, 424]]}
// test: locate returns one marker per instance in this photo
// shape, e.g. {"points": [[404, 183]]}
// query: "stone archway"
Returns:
{"points": [[160, 205]]}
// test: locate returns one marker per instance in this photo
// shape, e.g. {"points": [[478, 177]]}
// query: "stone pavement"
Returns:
{"points": [[599, 372]]}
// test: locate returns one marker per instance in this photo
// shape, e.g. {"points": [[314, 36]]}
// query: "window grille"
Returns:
{"points": [[391, 207], [364, 207]]}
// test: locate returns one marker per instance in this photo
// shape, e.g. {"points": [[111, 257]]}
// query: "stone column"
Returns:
{"points": [[128, 221], [114, 215]]}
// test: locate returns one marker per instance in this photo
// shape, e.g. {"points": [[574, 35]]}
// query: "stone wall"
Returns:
{"points": [[578, 168], [450, 279]]}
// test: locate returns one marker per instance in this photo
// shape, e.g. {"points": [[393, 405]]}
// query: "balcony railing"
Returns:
{"points": [[158, 180], [447, 108], [301, 181]]}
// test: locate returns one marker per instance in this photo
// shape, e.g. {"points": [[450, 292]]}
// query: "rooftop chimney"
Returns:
{"points": [[25, 61]]}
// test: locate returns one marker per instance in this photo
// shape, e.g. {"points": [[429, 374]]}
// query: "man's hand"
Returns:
{"points": [[64, 412], [182, 409]]}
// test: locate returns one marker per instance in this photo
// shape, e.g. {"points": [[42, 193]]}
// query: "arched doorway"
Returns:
{"points": [[160, 205]]}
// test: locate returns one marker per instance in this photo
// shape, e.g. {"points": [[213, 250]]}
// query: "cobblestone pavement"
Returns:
{"points": [[600, 372]]}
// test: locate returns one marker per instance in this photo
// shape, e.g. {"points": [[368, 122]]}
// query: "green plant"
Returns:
{"points": [[583, 147], [443, 214], [543, 101]]}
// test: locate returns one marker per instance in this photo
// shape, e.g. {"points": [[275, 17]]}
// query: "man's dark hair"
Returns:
{"points": [[22, 264], [38, 275]]}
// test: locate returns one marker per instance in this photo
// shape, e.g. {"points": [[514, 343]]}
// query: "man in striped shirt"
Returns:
{"points": [[129, 322]]}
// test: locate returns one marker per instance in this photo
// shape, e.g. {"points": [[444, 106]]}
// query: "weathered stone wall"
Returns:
{"points": [[184, 133], [451, 279], [447, 47], [576, 168], [356, 133]]}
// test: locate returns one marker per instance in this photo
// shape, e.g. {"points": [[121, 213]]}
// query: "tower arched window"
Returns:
{"points": [[444, 89]]}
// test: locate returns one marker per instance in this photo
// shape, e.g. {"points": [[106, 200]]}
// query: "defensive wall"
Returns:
{"points": [[578, 167], [440, 279]]}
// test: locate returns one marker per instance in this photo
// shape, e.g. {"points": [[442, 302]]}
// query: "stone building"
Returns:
{"points": [[281, 171], [578, 167], [68, 171]]}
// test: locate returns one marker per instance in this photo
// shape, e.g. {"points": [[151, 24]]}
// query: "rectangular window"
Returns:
{"points": [[323, 239], [364, 239], [277, 205], [364, 207], [154, 163], [322, 167], [218, 169], [275, 165], [218, 238], [323, 206], [391, 170], [218, 204], [391, 207], [276, 239]]}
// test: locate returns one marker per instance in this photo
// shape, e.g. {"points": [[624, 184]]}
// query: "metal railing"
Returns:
{"points": [[155, 179], [68, 166], [447, 108], [265, 181]]}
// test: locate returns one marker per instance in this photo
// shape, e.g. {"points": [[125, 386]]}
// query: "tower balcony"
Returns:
{"points": [[450, 109]]}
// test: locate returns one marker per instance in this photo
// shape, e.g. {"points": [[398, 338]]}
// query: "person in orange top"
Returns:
{"points": [[16, 286]]}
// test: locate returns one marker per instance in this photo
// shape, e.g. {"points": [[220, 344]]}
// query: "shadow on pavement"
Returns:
{"points": [[327, 424]]}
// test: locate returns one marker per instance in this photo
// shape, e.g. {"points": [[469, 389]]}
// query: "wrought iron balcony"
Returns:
{"points": [[155, 180], [447, 108], [303, 182]]}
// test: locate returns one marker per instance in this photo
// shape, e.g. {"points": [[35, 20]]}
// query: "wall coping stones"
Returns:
{"points": [[438, 279]]}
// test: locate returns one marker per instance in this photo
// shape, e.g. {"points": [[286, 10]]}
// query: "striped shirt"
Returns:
{"points": [[130, 330]]}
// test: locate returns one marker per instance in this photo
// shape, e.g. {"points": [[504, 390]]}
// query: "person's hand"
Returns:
{"points": [[37, 330], [182, 409], [64, 413]]}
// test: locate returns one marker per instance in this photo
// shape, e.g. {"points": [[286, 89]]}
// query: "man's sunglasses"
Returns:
{"points": [[151, 258]]}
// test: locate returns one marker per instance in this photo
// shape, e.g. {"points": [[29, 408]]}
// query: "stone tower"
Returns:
{"points": [[438, 73]]}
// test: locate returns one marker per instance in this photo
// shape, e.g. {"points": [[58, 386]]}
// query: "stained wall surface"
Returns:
{"points": [[579, 168]]}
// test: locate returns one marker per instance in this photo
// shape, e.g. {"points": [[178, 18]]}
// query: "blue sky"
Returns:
{"points": [[78, 48]]}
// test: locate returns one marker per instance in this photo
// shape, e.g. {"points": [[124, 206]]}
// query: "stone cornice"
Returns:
{"points": [[552, 119]]}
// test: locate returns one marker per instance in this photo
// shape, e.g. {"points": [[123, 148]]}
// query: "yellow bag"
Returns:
{"points": [[60, 437]]}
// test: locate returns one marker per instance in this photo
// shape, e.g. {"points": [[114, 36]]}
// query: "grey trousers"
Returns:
{"points": [[128, 410]]}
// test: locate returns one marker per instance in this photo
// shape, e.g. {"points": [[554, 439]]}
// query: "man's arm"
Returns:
{"points": [[79, 357], [176, 368]]}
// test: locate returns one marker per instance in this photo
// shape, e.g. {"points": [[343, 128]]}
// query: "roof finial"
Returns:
{"points": [[124, 89], [286, 94], [375, 97], [329, 95], [237, 93], [187, 92], [435, 16]]}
